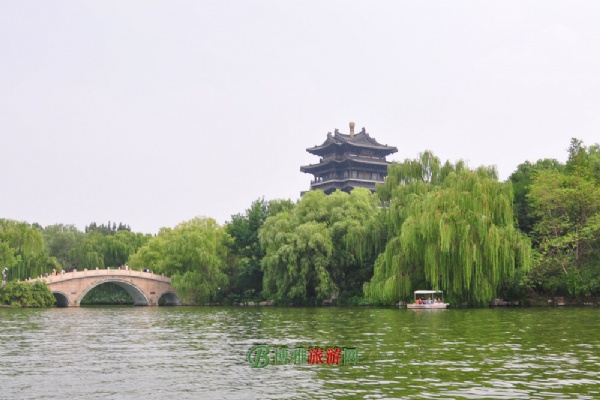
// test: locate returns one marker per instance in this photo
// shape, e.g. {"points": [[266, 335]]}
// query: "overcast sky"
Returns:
{"points": [[153, 112]]}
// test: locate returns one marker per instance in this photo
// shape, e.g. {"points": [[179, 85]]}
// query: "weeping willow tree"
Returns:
{"points": [[324, 246], [296, 264], [194, 254], [22, 251], [451, 229]]}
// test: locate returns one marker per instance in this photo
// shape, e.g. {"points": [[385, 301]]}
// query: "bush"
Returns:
{"points": [[27, 294]]}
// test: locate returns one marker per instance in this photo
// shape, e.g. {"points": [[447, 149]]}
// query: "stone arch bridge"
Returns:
{"points": [[145, 288]]}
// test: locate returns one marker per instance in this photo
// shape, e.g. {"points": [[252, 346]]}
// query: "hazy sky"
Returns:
{"points": [[153, 112]]}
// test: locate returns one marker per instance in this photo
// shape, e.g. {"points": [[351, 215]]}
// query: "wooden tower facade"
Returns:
{"points": [[348, 162]]}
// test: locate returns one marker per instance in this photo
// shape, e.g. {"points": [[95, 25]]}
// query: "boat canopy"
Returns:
{"points": [[427, 291]]}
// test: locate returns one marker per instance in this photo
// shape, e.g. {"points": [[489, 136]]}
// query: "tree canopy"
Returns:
{"points": [[22, 250], [322, 246], [246, 253], [452, 229], [194, 254], [566, 206]]}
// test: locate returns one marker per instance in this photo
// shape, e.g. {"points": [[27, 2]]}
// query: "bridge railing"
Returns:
{"points": [[102, 272]]}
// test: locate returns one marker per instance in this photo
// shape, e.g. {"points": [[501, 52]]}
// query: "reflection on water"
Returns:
{"points": [[200, 352]]}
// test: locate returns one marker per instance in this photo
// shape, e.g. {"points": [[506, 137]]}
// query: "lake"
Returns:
{"points": [[202, 353]]}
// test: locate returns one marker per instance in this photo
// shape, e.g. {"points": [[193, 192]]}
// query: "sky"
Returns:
{"points": [[151, 113]]}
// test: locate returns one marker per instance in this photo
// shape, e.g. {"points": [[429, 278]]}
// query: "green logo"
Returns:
{"points": [[258, 356]]}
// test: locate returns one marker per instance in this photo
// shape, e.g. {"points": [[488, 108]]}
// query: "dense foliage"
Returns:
{"points": [[27, 294], [246, 253], [22, 251], [324, 245], [521, 180], [451, 228], [94, 249], [194, 254], [565, 205], [107, 293]]}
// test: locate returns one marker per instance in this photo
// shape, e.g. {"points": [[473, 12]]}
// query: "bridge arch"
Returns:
{"points": [[62, 300], [169, 298], [137, 294]]}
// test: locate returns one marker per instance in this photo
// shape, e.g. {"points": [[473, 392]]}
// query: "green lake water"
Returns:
{"points": [[201, 353]]}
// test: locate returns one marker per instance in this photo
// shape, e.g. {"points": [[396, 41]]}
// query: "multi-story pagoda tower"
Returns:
{"points": [[348, 162]]}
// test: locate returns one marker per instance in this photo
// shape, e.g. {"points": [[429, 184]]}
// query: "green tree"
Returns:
{"points": [[451, 228], [567, 206], [60, 240], [297, 258], [8, 258], [118, 247], [246, 253], [521, 180], [27, 294], [107, 229], [594, 155], [107, 293], [193, 254], [90, 252], [22, 250], [357, 233], [98, 249], [584, 161], [151, 255], [324, 246]]}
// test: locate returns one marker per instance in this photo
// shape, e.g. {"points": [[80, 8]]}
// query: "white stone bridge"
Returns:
{"points": [[145, 288]]}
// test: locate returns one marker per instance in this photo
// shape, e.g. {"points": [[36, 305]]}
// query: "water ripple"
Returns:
{"points": [[191, 353]]}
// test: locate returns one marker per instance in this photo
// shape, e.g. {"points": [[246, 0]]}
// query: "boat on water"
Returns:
{"points": [[428, 299]]}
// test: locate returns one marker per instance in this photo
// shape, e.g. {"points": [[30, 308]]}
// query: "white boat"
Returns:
{"points": [[428, 299]]}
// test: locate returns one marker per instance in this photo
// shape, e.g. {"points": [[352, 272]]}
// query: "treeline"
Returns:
{"points": [[30, 251], [431, 225], [558, 207]]}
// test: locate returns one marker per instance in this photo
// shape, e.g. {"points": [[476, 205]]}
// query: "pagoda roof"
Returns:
{"points": [[360, 140]]}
